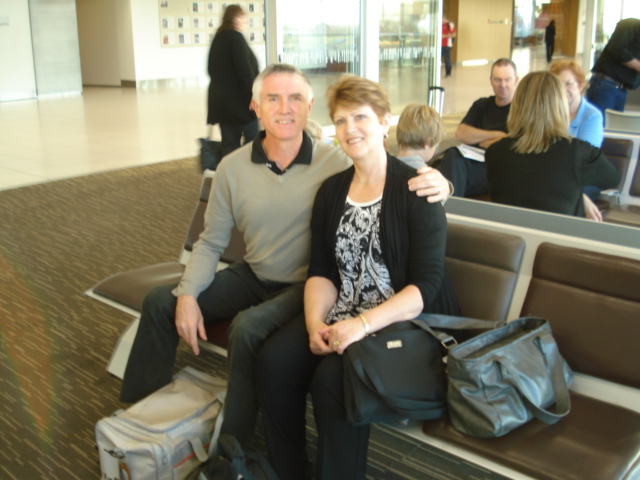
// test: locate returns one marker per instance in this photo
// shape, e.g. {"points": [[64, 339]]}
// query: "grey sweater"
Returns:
{"points": [[273, 213]]}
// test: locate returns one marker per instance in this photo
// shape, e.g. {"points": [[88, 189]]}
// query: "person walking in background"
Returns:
{"points": [[232, 68], [617, 68], [538, 165], [448, 34], [550, 39]]}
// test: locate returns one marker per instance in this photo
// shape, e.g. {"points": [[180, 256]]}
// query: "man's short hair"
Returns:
{"points": [[419, 125], [504, 62], [273, 69]]}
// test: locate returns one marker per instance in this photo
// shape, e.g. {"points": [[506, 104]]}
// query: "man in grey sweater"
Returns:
{"points": [[266, 189]]}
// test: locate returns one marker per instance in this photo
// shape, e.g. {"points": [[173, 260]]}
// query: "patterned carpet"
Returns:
{"points": [[58, 239]]}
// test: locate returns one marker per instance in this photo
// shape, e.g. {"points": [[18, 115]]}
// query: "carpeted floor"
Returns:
{"points": [[58, 239]]}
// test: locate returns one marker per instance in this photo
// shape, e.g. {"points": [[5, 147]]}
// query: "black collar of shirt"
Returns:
{"points": [[258, 154]]}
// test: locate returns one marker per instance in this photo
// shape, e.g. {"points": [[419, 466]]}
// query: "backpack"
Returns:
{"points": [[167, 435]]}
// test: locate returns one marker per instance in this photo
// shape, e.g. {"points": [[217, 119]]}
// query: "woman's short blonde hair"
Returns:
{"points": [[539, 113], [559, 66], [314, 129], [419, 125], [351, 91]]}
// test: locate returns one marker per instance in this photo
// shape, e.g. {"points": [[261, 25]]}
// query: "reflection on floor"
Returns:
{"points": [[111, 128]]}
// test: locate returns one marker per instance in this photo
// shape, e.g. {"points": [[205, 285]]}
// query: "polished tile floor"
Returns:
{"points": [[112, 128]]}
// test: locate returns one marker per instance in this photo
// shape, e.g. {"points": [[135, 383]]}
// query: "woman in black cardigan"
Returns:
{"points": [[233, 68], [377, 257]]}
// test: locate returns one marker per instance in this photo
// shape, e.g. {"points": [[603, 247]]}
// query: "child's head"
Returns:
{"points": [[419, 126], [314, 130]]}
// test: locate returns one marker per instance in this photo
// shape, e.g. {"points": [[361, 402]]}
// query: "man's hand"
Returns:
{"points": [[476, 136], [487, 143], [431, 184], [189, 321]]}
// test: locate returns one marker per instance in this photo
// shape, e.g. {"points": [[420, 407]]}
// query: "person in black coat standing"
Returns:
{"points": [[232, 68], [550, 39]]}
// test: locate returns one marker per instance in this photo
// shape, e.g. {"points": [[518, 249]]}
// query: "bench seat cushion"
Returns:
{"points": [[596, 441], [129, 288], [592, 301], [623, 215], [483, 266]]}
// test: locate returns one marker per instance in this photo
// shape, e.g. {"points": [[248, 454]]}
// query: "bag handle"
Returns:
{"points": [[213, 444], [428, 320], [558, 382]]}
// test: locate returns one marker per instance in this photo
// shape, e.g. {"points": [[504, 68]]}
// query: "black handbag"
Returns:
{"points": [[210, 153], [233, 463], [398, 372], [503, 378]]}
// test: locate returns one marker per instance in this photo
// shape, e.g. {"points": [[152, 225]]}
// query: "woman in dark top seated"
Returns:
{"points": [[539, 165], [377, 257]]}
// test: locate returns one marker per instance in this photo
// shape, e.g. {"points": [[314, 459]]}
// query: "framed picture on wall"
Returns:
{"points": [[193, 23]]}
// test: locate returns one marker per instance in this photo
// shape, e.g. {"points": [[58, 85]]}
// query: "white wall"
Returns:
{"points": [[17, 74], [98, 37], [125, 40], [151, 60]]}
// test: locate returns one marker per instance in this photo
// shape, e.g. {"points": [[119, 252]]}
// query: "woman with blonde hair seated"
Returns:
{"points": [[539, 165], [377, 258]]}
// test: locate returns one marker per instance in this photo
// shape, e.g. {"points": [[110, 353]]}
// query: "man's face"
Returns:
{"points": [[503, 82], [284, 106]]}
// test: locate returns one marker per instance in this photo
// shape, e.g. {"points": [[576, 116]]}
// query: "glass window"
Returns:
{"points": [[407, 59], [320, 42]]}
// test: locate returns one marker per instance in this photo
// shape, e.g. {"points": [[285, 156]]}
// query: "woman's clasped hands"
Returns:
{"points": [[326, 339]]}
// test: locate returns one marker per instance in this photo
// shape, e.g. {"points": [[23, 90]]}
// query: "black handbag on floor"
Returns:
{"points": [[210, 153], [398, 372], [235, 464]]}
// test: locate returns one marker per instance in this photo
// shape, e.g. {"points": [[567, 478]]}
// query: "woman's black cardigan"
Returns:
{"points": [[412, 236]]}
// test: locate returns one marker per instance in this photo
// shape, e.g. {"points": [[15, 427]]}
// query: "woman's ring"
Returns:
{"points": [[438, 192], [336, 343]]}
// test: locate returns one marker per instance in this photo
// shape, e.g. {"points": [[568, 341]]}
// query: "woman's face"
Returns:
{"points": [[573, 89], [240, 22], [359, 130]]}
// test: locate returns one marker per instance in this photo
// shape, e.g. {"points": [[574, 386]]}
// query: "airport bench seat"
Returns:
{"points": [[622, 205], [592, 302], [126, 290]]}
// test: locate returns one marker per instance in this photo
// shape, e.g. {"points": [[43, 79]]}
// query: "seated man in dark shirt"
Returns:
{"points": [[484, 124]]}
